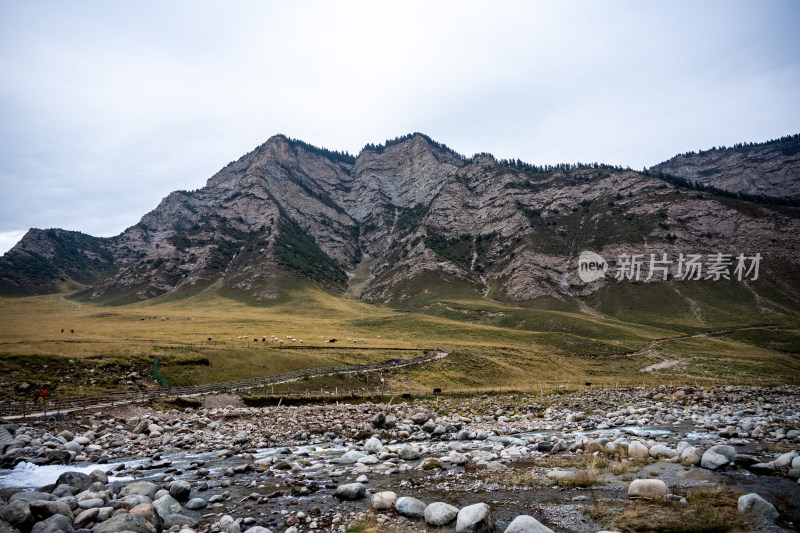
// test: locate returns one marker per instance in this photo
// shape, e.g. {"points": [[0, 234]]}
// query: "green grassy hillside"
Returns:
{"points": [[626, 334]]}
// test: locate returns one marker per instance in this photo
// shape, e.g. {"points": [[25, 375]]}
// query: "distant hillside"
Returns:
{"points": [[769, 169], [406, 222], [46, 258]]}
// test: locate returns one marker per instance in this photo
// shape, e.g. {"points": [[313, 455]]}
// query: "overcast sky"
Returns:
{"points": [[106, 107]]}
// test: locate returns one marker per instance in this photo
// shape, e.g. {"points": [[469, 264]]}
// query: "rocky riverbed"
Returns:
{"points": [[633, 459]]}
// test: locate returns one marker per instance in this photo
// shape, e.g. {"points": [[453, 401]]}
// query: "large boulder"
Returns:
{"points": [[378, 420], [167, 505], [18, 514], [636, 450], [134, 523], [409, 453], [527, 524], [351, 491], [140, 488], [691, 455], [79, 480], [784, 460], [374, 446], [86, 517], [180, 490], [32, 496], [196, 503], [476, 518], [440, 514], [713, 461], [729, 452], [410, 507], [383, 501], [648, 489], [58, 523], [98, 476], [42, 510], [659, 451], [349, 458], [178, 520], [420, 417], [149, 512], [754, 505]]}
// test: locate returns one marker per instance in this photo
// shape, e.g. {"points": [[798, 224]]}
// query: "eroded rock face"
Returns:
{"points": [[413, 210], [769, 168]]}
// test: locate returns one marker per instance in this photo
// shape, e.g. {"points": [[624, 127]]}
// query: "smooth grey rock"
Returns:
{"points": [[420, 418], [32, 496], [659, 451], [73, 447], [374, 446], [18, 514], [754, 505], [179, 520], [476, 518], [713, 461], [125, 522], [440, 514], [86, 517], [196, 503], [351, 491], [764, 469], [692, 456], [785, 460], [527, 524], [457, 458], [725, 450], [42, 510], [409, 453], [167, 505], [57, 523], [91, 503], [349, 458], [180, 490], [410, 507], [98, 476], [140, 488]]}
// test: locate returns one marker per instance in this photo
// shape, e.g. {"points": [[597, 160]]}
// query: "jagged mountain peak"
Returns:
{"points": [[409, 214]]}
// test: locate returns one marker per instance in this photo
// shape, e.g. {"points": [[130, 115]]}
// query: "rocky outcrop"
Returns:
{"points": [[411, 217], [770, 169]]}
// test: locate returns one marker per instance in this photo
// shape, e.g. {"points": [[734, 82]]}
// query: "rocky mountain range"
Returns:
{"points": [[769, 169], [412, 217]]}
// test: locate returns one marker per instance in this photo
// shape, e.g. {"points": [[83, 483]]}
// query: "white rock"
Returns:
{"points": [[637, 450], [527, 524], [374, 446], [713, 461], [440, 514], [475, 518], [383, 501], [659, 451], [649, 489]]}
